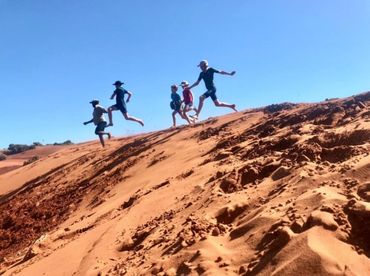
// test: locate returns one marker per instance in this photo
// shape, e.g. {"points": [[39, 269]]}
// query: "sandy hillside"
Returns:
{"points": [[280, 190], [16, 160]]}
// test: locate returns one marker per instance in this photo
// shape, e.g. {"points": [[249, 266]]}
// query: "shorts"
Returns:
{"points": [[100, 127], [122, 108], [188, 105], [211, 93]]}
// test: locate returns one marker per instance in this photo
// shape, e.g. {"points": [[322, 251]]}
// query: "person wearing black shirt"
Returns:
{"points": [[207, 76], [119, 94]]}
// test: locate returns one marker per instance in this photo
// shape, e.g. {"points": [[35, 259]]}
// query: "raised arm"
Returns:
{"points": [[232, 73], [129, 96]]}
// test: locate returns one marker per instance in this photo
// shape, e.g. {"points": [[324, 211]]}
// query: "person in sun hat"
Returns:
{"points": [[187, 99], [99, 120], [119, 94], [207, 75]]}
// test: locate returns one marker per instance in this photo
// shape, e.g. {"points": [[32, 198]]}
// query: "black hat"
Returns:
{"points": [[94, 101], [118, 83]]}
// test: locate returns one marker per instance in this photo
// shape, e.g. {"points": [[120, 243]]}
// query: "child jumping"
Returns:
{"points": [[176, 105], [99, 120], [119, 94], [187, 100]]}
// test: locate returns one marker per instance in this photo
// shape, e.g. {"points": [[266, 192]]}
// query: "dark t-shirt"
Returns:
{"points": [[176, 101], [175, 97], [207, 76], [120, 96]]}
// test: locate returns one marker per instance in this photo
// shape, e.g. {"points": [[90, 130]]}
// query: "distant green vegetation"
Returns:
{"points": [[65, 143], [37, 144], [18, 148]]}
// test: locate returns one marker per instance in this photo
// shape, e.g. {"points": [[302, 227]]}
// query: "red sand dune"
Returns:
{"points": [[16, 160], [280, 190]]}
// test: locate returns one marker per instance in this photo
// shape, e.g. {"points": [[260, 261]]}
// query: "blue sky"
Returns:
{"points": [[57, 55]]}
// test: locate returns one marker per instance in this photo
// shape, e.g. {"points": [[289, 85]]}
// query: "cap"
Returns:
{"points": [[94, 101], [184, 83], [205, 62], [118, 83]]}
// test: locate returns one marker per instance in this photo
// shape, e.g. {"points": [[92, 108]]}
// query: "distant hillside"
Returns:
{"points": [[17, 160]]}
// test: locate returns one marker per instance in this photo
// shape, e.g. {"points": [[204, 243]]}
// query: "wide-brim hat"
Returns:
{"points": [[118, 83]]}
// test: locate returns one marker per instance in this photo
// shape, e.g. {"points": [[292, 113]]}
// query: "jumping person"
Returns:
{"points": [[99, 120], [207, 76], [119, 94], [176, 105], [187, 99]]}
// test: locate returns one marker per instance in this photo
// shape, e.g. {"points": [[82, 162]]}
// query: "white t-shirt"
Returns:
{"points": [[98, 114]]}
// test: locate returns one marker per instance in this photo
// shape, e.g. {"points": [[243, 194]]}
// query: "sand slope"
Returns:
{"points": [[16, 160], [280, 190]]}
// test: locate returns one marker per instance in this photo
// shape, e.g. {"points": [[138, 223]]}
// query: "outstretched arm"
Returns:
{"points": [[195, 84], [129, 96], [88, 122], [232, 73]]}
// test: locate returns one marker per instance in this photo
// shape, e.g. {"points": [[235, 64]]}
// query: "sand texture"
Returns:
{"points": [[279, 190]]}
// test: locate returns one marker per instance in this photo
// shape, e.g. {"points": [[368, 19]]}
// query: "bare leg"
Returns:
{"points": [[194, 117], [130, 118], [185, 116], [101, 139], [221, 104], [174, 118], [201, 100], [108, 134], [110, 116]]}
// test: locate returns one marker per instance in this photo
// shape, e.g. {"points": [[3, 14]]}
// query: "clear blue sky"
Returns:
{"points": [[57, 55]]}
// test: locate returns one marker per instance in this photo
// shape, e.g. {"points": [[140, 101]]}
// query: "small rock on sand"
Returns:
{"points": [[280, 172], [325, 219], [364, 191]]}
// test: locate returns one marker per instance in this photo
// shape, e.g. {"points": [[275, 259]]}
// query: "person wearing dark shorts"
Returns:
{"points": [[119, 93], [207, 75], [100, 127], [176, 105], [188, 100], [99, 120]]}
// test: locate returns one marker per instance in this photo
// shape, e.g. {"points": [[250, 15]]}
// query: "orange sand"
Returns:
{"points": [[280, 190]]}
